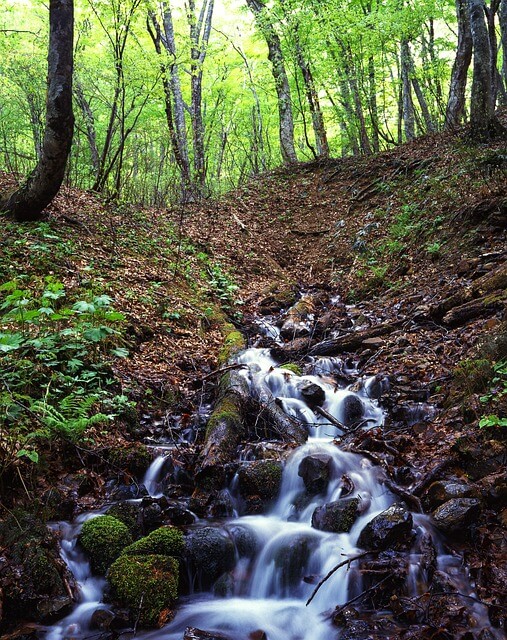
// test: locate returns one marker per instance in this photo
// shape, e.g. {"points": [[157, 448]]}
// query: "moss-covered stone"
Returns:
{"points": [[133, 458], [260, 478], [104, 538], [130, 514], [147, 584], [292, 366], [234, 342], [166, 541]]}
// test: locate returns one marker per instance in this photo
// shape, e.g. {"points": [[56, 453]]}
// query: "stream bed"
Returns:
{"points": [[334, 541]]}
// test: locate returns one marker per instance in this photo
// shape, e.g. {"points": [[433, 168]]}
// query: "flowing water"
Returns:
{"points": [[284, 558]]}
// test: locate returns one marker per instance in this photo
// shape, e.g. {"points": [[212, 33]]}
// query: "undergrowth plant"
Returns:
{"points": [[495, 397], [55, 374]]}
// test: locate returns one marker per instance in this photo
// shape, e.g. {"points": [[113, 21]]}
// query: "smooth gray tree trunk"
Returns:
{"points": [[29, 201], [503, 31], [275, 55], [406, 84]]}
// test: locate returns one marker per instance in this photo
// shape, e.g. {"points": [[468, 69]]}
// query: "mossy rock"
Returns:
{"points": [[147, 584], [130, 514], [260, 478], [166, 541], [292, 366], [104, 538], [227, 412], [133, 458]]}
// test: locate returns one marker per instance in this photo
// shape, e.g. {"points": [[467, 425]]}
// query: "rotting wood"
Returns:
{"points": [[411, 500], [474, 309]]}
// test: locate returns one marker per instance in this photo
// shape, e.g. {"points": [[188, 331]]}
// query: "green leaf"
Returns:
{"points": [[120, 352], [96, 334], [10, 341], [28, 453], [102, 301], [84, 307]]}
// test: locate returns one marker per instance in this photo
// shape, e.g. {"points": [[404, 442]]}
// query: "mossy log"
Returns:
{"points": [[475, 309], [226, 428]]}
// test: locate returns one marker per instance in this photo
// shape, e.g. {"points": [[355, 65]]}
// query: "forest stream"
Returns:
{"points": [[320, 559]]}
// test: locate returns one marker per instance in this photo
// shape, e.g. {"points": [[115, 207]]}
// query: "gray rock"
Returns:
{"points": [[442, 491], [337, 517], [209, 554], [191, 633], [457, 514], [312, 393], [260, 478], [292, 560], [315, 471], [391, 529], [353, 410], [52, 606]]}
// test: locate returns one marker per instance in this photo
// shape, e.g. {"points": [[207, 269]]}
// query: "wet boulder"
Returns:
{"points": [[352, 410], [391, 529], [209, 553], [291, 560], [153, 516], [315, 471], [313, 394], [442, 491], [130, 513], [456, 515], [244, 540], [104, 538], [101, 619], [148, 585], [337, 517], [260, 478], [179, 515]]}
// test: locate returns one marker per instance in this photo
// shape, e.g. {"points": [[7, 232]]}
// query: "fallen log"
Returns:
{"points": [[224, 430], [352, 341], [474, 309]]}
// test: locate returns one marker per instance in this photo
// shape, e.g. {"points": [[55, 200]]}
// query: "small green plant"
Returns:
{"points": [[434, 248], [223, 286], [495, 397]]}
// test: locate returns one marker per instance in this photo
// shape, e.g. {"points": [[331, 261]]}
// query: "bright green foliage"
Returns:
{"points": [[166, 541], [104, 538], [292, 366], [496, 397], [54, 357], [146, 584]]}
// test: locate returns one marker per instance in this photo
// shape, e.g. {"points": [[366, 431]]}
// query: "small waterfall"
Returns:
{"points": [[90, 587], [153, 475]]}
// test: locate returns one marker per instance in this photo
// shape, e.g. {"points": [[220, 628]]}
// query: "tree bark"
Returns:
{"points": [[503, 31], [408, 104], [456, 101], [484, 124], [275, 55], [28, 202]]}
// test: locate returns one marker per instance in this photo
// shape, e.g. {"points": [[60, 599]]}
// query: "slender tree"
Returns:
{"points": [[31, 198], [275, 55]]}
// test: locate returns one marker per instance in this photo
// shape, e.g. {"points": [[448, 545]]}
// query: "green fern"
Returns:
{"points": [[70, 419]]}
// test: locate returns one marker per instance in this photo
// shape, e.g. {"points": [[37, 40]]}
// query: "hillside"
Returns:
{"points": [[404, 252]]}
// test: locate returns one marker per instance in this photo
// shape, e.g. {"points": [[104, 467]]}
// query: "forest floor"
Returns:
{"points": [[413, 240]]}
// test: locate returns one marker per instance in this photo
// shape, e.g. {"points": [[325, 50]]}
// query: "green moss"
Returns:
{"points": [[166, 541], [226, 412], [129, 514], [133, 458], [147, 584], [261, 478], [234, 342], [104, 538], [292, 366]]}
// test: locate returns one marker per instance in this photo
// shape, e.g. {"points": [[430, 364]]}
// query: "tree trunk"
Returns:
{"points": [[483, 121], [407, 102], [456, 101], [91, 134], [503, 31], [28, 202], [275, 55]]}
